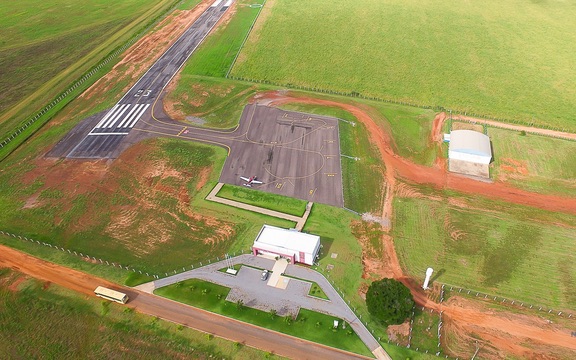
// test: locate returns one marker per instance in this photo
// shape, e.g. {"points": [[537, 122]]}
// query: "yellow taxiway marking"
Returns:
{"points": [[312, 191], [330, 174], [279, 185], [181, 131]]}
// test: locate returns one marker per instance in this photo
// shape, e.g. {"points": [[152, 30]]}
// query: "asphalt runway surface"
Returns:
{"points": [[109, 129], [293, 154]]}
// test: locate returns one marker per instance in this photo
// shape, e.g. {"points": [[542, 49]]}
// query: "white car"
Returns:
{"points": [[265, 274]]}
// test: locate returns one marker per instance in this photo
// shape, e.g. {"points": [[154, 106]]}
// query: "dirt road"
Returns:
{"points": [[217, 325], [470, 316], [420, 174]]}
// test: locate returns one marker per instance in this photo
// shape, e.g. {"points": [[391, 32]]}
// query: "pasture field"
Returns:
{"points": [[309, 325], [264, 200], [536, 163], [46, 45], [217, 53], [509, 59], [41, 321], [497, 248]]}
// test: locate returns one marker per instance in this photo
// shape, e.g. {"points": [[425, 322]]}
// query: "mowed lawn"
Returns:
{"points": [[41, 39], [535, 163], [508, 59], [515, 252]]}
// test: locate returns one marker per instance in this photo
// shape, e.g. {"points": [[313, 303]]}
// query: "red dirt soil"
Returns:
{"points": [[420, 174], [471, 318]]}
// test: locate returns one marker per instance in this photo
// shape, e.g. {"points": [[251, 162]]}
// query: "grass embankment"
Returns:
{"points": [[308, 325], [148, 218], [516, 64], [283, 204], [46, 321], [497, 248], [47, 46]]}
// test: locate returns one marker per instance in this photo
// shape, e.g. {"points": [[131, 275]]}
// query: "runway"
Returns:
{"points": [[111, 127], [293, 154]]}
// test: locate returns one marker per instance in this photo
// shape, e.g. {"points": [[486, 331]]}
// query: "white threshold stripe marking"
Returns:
{"points": [[216, 3], [119, 116], [137, 116], [109, 133], [129, 114], [114, 116], [106, 116]]}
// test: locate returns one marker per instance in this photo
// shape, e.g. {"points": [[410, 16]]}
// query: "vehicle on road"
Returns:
{"points": [[252, 180], [265, 274], [112, 295]]}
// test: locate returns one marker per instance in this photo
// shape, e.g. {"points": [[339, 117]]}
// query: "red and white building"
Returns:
{"points": [[292, 244]]}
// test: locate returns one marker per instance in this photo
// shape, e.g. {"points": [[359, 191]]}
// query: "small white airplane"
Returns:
{"points": [[252, 180]]}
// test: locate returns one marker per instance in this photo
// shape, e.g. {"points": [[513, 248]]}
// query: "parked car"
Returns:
{"points": [[265, 274]]}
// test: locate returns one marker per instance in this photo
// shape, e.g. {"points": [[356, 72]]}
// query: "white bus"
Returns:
{"points": [[110, 294]]}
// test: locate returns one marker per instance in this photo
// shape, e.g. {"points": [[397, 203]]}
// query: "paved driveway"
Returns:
{"points": [[248, 286]]}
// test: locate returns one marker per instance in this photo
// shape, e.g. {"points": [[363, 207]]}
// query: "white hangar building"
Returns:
{"points": [[470, 153], [291, 244]]}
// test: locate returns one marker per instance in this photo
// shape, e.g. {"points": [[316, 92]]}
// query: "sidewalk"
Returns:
{"points": [[300, 221]]}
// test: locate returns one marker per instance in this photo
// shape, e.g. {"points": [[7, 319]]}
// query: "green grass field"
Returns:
{"points": [[49, 322], [264, 200], [497, 248], [47, 45], [536, 163], [508, 59], [216, 54], [308, 325]]}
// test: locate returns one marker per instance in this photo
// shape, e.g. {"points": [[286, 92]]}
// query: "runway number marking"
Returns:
{"points": [[138, 93], [147, 93]]}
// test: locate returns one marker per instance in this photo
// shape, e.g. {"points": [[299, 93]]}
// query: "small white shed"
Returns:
{"points": [[292, 244]]}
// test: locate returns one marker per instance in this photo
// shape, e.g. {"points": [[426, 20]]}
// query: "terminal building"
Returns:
{"points": [[469, 153], [291, 244]]}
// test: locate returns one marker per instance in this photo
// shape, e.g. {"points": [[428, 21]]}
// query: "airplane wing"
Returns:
{"points": [[244, 178], [256, 182]]}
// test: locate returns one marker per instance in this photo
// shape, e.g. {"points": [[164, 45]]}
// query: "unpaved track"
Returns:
{"points": [[474, 319], [435, 176], [220, 326], [528, 129]]}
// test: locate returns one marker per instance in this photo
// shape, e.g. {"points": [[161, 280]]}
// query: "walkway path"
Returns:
{"points": [[300, 221], [248, 287]]}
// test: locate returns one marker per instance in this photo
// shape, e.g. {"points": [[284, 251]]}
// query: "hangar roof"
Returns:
{"points": [[287, 239], [470, 142]]}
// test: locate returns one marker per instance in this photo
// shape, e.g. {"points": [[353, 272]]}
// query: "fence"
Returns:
{"points": [[503, 300], [437, 108], [82, 80], [115, 264]]}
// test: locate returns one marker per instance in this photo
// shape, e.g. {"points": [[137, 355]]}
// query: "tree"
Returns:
{"points": [[389, 301]]}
